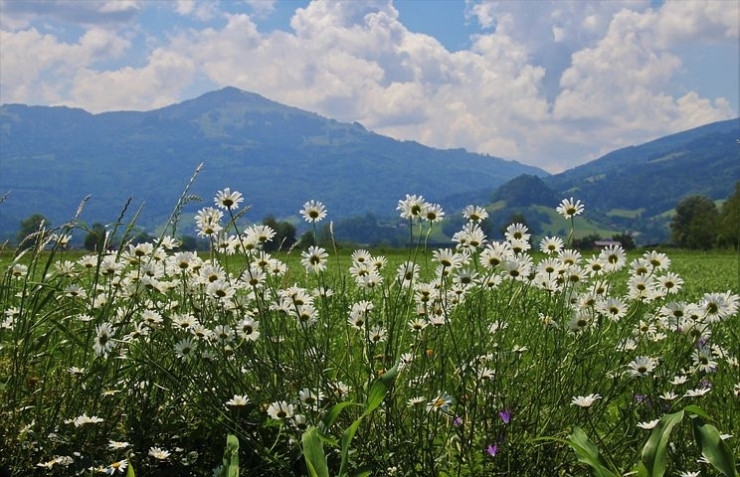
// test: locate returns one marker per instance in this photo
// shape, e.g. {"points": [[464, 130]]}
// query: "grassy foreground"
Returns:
{"points": [[489, 358]]}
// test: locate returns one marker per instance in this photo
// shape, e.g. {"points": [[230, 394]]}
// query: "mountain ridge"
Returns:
{"points": [[703, 160], [277, 155]]}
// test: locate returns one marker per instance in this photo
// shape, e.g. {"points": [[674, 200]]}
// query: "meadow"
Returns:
{"points": [[509, 357]]}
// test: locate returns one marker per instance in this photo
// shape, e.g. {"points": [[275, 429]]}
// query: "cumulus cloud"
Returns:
{"points": [[157, 84], [356, 61], [201, 10], [108, 13], [618, 90], [262, 7], [679, 22], [31, 58], [548, 83], [184, 7]]}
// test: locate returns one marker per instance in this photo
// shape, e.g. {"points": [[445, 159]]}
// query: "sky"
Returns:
{"points": [[552, 84]]}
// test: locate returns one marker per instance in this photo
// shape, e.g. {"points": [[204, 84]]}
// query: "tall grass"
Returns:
{"points": [[147, 357]]}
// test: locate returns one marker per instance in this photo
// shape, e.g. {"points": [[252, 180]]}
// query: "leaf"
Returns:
{"points": [[654, 451], [694, 409], [333, 414], [130, 470], [716, 451], [230, 467], [589, 454], [375, 397], [379, 390], [313, 453], [640, 470]]}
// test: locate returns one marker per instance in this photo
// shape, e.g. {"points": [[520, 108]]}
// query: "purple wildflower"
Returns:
{"points": [[492, 450]]}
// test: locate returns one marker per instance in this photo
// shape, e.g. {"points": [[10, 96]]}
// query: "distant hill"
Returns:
{"points": [[635, 189], [656, 175], [526, 190], [276, 155]]}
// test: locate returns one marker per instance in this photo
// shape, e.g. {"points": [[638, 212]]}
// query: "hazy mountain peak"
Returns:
{"points": [[278, 156]]}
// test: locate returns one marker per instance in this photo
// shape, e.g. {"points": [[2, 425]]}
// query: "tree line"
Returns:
{"points": [[697, 224]]}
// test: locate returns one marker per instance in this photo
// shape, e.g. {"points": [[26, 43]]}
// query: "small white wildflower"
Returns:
{"points": [[159, 453], [697, 392], [118, 466], [669, 396], [568, 208], [648, 424], [585, 401], [416, 401], [84, 419], [116, 445], [313, 211], [280, 410], [228, 200], [239, 400]]}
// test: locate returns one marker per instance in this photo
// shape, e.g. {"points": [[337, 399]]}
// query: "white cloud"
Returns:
{"points": [[108, 13], [185, 7], [617, 91], [155, 85], [681, 21], [262, 7], [201, 10], [531, 22], [558, 34], [32, 61], [119, 6], [483, 12]]}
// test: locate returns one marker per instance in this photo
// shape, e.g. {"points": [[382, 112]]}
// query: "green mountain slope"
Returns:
{"points": [[277, 156], [656, 175], [635, 188], [631, 190]]}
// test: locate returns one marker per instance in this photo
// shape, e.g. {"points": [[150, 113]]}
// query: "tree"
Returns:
{"points": [[95, 238], [625, 240], [284, 234], [695, 225], [188, 243], [306, 240], [30, 226], [586, 243], [729, 220], [141, 236], [515, 218]]}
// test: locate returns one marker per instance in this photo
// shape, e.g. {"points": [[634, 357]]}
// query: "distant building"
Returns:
{"points": [[605, 243]]}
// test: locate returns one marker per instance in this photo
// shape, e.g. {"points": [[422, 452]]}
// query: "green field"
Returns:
{"points": [[625, 213], [485, 359]]}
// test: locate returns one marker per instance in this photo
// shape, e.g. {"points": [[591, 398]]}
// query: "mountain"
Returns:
{"points": [[654, 176], [637, 187], [524, 191], [631, 190], [277, 156]]}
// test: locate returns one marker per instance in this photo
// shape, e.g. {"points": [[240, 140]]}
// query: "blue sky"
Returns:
{"points": [[548, 83]]}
